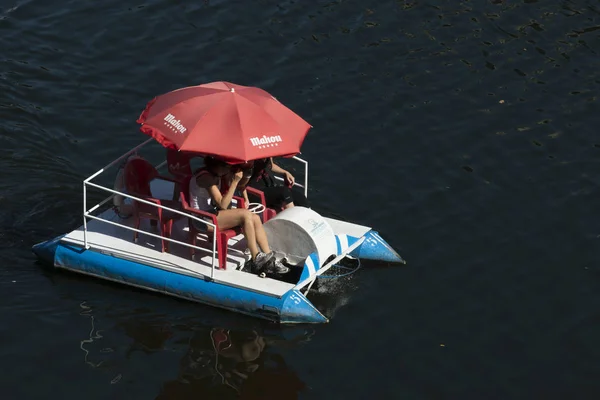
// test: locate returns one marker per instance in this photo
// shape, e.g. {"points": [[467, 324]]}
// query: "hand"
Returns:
{"points": [[289, 179], [238, 176]]}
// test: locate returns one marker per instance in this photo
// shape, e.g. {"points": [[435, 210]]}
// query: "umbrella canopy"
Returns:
{"points": [[233, 122]]}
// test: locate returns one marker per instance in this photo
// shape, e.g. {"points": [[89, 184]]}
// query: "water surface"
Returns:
{"points": [[465, 132]]}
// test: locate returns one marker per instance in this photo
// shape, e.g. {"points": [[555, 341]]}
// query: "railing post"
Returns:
{"points": [[305, 174], [85, 245], [306, 179], [215, 256]]}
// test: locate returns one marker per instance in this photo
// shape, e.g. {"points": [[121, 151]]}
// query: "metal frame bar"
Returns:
{"points": [[117, 160], [103, 202], [87, 213], [146, 233], [305, 174], [305, 186]]}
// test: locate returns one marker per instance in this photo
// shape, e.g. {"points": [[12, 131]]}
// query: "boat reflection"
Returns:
{"points": [[237, 359], [233, 364]]}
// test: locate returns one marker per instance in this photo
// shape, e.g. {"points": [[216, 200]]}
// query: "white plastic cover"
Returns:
{"points": [[297, 232]]}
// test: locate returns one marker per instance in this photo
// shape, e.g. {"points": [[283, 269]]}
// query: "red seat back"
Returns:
{"points": [[138, 173], [178, 163]]}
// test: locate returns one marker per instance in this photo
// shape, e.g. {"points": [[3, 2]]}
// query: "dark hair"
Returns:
{"points": [[247, 166], [212, 163]]}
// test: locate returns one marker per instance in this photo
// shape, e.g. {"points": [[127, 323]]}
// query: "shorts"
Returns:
{"points": [[199, 226], [280, 196]]}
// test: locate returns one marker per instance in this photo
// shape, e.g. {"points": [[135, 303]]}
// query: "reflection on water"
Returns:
{"points": [[93, 335], [230, 363], [227, 362]]}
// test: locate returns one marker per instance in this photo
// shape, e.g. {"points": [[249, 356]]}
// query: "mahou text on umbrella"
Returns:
{"points": [[175, 123], [266, 141]]}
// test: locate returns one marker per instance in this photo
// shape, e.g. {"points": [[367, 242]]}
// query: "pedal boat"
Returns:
{"points": [[103, 247]]}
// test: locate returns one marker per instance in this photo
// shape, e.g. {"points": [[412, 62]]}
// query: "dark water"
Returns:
{"points": [[466, 132]]}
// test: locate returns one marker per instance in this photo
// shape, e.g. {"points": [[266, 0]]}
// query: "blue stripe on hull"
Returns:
{"points": [[293, 307], [311, 266], [45, 250]]}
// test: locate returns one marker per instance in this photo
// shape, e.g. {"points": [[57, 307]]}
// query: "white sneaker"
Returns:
{"points": [[262, 259], [277, 267]]}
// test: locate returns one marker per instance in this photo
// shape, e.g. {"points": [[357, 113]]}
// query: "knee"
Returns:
{"points": [[247, 216], [256, 219]]}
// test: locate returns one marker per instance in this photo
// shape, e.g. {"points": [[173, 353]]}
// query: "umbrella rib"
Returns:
{"points": [[257, 109], [170, 106], [204, 116], [201, 118]]}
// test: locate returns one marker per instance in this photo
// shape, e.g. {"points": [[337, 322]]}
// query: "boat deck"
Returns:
{"points": [[118, 242]]}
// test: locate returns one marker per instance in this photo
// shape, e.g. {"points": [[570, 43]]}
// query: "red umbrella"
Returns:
{"points": [[234, 122]]}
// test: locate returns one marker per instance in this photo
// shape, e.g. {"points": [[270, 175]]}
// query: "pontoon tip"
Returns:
{"points": [[377, 249]]}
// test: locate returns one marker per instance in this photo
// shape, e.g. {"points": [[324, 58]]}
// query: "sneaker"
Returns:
{"points": [[277, 267], [248, 266], [262, 259]]}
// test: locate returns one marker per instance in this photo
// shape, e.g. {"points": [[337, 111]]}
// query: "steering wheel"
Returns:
{"points": [[256, 208]]}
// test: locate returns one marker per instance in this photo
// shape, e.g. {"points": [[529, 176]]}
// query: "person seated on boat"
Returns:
{"points": [[241, 191], [258, 174], [205, 195]]}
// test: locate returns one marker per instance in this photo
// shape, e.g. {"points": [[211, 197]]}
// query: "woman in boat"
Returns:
{"points": [[258, 174], [205, 195]]}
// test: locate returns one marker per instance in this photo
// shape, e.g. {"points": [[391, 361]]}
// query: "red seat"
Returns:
{"points": [[178, 163], [223, 236], [138, 174]]}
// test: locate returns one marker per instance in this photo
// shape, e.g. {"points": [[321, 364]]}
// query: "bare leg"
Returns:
{"points": [[289, 205], [227, 219], [261, 236]]}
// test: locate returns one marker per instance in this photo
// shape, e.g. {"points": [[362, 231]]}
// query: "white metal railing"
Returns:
{"points": [[305, 185], [305, 175], [118, 159], [88, 213], [85, 211]]}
